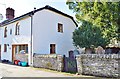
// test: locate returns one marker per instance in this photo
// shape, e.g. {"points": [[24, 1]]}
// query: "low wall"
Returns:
{"points": [[21, 57], [54, 62], [99, 64]]}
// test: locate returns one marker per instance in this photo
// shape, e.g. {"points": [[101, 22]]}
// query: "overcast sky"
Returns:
{"points": [[23, 6]]}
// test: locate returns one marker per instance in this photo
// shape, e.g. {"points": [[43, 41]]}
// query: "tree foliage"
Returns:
{"points": [[88, 35], [102, 14]]}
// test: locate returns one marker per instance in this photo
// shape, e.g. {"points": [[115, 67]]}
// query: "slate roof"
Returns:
{"points": [[6, 22]]}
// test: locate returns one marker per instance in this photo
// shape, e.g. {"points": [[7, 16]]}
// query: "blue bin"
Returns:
{"points": [[24, 64], [19, 63]]}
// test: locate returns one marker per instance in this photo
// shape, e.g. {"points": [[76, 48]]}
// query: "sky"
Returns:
{"points": [[24, 6]]}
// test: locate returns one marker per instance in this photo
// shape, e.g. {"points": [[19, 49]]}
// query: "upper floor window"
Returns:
{"points": [[10, 31], [60, 27], [5, 32], [17, 28]]}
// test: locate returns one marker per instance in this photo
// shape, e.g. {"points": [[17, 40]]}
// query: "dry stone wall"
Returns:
{"points": [[107, 65], [54, 62]]}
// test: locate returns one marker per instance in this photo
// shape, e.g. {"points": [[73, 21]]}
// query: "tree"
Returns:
{"points": [[88, 35], [102, 14], [118, 31]]}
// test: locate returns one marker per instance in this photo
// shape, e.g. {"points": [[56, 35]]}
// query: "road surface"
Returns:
{"points": [[7, 70]]}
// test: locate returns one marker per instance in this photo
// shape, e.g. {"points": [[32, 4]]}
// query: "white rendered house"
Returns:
{"points": [[42, 31]]}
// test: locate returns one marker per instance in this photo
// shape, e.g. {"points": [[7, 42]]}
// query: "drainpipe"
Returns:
{"points": [[31, 53], [31, 58]]}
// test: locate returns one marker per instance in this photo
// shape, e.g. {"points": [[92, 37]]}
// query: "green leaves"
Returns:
{"points": [[88, 35], [105, 15]]}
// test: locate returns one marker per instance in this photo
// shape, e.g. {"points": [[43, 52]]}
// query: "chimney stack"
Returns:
{"points": [[9, 13]]}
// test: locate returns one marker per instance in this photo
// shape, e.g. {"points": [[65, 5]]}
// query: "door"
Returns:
{"points": [[19, 49], [13, 52]]}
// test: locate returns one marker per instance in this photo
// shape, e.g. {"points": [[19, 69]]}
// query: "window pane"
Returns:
{"points": [[5, 47], [60, 27], [10, 31], [5, 32], [17, 28], [27, 49], [52, 48]]}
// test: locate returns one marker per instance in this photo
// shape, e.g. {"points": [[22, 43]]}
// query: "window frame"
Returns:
{"points": [[5, 32], [5, 47], [18, 48], [10, 31], [17, 29], [52, 48], [0, 49], [60, 27]]}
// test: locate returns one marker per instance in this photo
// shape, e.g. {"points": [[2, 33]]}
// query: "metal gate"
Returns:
{"points": [[70, 63]]}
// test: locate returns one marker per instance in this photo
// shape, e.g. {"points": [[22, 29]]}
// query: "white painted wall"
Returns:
{"points": [[45, 32], [0, 36], [23, 38], [1, 39]]}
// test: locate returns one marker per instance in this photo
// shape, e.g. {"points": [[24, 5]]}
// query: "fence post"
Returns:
{"points": [[65, 63], [60, 63], [79, 64]]}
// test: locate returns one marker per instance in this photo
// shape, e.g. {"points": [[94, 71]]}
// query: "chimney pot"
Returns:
{"points": [[9, 13]]}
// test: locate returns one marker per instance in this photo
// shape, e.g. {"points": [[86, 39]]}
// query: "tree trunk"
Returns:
{"points": [[88, 51]]}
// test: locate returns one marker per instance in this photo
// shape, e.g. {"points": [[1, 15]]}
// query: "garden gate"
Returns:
{"points": [[70, 63]]}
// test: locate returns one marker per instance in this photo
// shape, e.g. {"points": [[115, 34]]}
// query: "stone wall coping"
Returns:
{"points": [[47, 55], [106, 56]]}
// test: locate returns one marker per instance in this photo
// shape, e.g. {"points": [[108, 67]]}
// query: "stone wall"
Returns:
{"points": [[52, 61], [107, 65], [21, 57]]}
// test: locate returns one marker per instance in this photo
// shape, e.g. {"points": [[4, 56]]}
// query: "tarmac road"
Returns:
{"points": [[7, 70]]}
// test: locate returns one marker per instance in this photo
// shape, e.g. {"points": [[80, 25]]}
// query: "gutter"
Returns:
{"points": [[47, 7]]}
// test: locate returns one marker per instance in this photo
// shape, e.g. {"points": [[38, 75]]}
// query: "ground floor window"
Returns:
{"points": [[5, 47], [52, 48], [21, 48], [0, 48], [0, 51]]}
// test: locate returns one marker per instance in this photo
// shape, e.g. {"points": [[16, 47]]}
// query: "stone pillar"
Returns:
{"points": [[119, 66], [60, 62], [10, 13], [71, 54], [79, 63]]}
